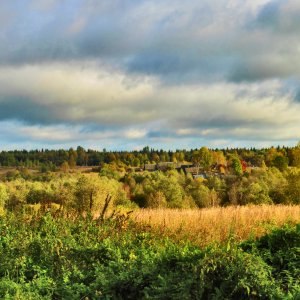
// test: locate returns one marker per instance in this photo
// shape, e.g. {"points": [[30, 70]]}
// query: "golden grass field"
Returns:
{"points": [[203, 226]]}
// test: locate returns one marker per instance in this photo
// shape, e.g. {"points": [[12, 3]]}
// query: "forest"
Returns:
{"points": [[280, 157], [150, 179]]}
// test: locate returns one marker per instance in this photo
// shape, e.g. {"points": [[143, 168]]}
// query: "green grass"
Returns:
{"points": [[46, 258]]}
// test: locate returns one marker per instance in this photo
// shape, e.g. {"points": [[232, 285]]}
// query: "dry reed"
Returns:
{"points": [[203, 226]]}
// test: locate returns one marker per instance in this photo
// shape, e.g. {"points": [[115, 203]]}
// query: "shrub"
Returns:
{"points": [[47, 258], [280, 250]]}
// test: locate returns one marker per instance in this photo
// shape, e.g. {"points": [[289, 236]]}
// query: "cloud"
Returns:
{"points": [[279, 16], [180, 42], [160, 72], [67, 93], [296, 94], [269, 47], [88, 102], [269, 15]]}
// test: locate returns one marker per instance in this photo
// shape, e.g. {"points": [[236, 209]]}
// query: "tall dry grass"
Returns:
{"points": [[203, 226]]}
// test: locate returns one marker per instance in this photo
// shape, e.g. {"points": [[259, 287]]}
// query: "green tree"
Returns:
{"points": [[156, 199], [17, 191], [219, 158], [72, 158], [206, 158], [196, 159], [82, 156], [155, 157], [270, 156], [236, 165], [203, 158], [40, 193], [281, 162], [136, 162], [296, 156], [203, 196], [86, 194], [181, 156], [110, 171], [64, 193], [3, 197], [292, 190], [72, 161]]}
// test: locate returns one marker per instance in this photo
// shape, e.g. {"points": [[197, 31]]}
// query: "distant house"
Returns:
{"points": [[183, 166], [164, 166], [217, 170], [150, 167], [202, 175], [192, 170], [134, 169]]}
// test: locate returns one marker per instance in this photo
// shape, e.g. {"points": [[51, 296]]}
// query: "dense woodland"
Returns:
{"points": [[268, 176], [280, 157]]}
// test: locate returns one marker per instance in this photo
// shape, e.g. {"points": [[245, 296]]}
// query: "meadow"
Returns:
{"points": [[217, 224]]}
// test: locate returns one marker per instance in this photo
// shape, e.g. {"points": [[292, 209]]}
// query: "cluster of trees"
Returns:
{"points": [[280, 157], [86, 193], [174, 189], [76, 193], [276, 180]]}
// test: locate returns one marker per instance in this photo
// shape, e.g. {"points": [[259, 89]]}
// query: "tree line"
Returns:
{"points": [[280, 157]]}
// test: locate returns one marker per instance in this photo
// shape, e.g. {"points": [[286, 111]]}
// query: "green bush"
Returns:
{"points": [[47, 258], [281, 251]]}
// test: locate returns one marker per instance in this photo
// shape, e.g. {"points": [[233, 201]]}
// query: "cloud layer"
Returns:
{"points": [[172, 74]]}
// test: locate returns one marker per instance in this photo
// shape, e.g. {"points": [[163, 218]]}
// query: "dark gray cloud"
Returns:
{"points": [[146, 37], [297, 95], [269, 15], [263, 68], [279, 16], [187, 42], [269, 47], [24, 109]]}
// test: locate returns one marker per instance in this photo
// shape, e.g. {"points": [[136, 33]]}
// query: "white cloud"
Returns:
{"points": [[135, 133]]}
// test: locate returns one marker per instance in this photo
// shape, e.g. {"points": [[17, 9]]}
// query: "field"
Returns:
{"points": [[203, 226]]}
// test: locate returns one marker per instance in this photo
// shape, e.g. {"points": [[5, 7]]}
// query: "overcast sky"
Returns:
{"points": [[123, 74]]}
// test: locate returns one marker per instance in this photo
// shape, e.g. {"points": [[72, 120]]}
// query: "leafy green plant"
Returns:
{"points": [[59, 258]]}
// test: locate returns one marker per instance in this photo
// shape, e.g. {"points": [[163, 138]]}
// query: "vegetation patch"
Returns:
{"points": [[59, 258]]}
